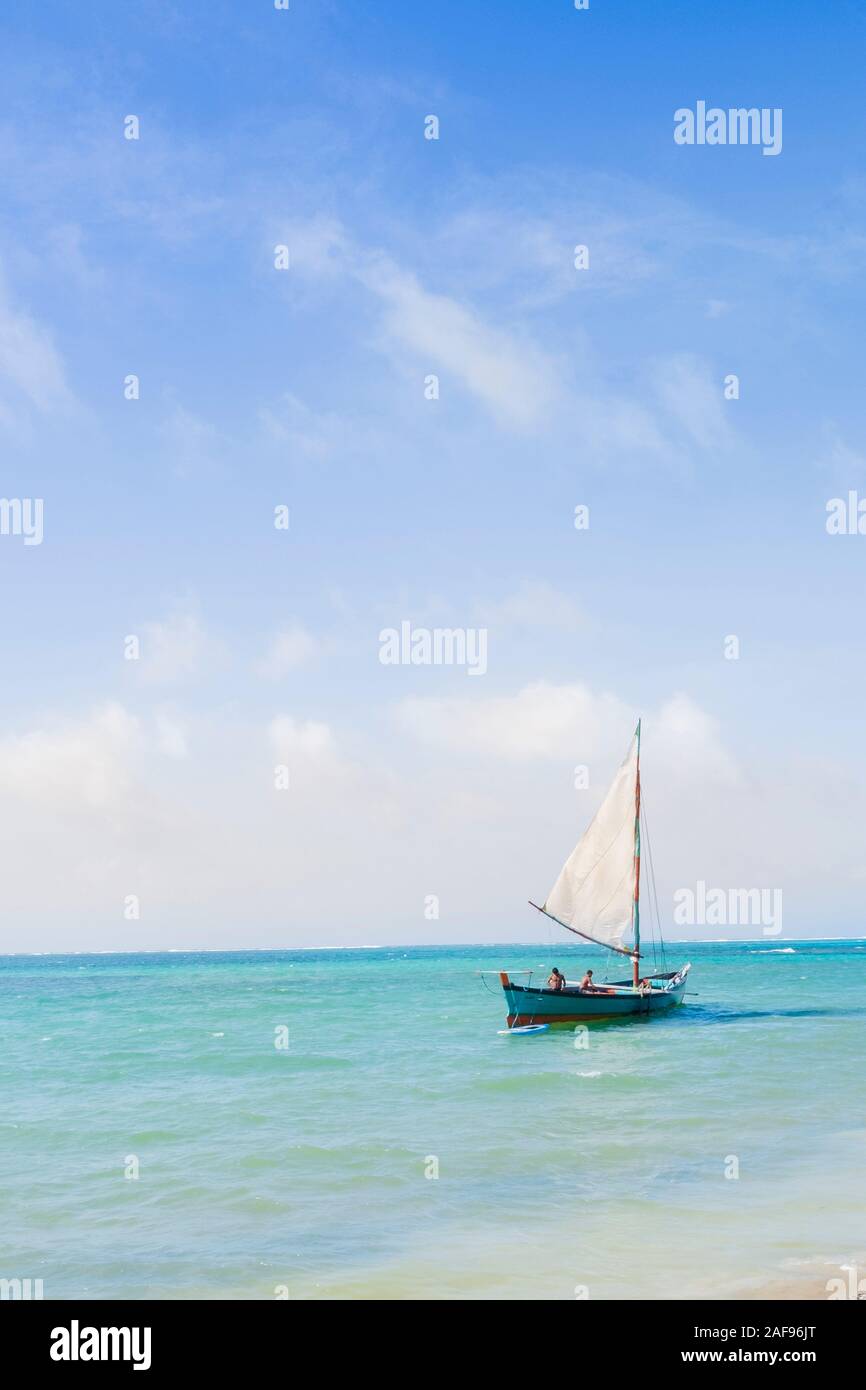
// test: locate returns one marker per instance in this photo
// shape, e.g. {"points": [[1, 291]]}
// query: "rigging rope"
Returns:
{"points": [[654, 899]]}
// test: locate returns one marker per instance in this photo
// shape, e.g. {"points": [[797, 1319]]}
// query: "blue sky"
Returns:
{"points": [[558, 387]]}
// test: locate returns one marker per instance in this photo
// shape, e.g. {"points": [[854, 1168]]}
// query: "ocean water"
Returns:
{"points": [[306, 1170]]}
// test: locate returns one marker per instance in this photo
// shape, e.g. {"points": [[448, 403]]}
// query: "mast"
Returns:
{"points": [[636, 910]]}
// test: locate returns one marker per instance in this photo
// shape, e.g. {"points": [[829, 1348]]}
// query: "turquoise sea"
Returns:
{"points": [[307, 1171]]}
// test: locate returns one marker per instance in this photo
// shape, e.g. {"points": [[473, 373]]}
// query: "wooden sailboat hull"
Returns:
{"points": [[528, 1004]]}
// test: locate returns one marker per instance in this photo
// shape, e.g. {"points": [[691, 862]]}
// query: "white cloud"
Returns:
{"points": [[32, 375], [175, 649], [512, 377], [566, 722], [318, 436], [683, 733], [66, 765], [509, 374], [318, 245], [288, 650], [219, 856], [171, 734], [542, 720], [535, 604], [523, 384], [307, 737], [193, 446], [693, 399], [845, 466]]}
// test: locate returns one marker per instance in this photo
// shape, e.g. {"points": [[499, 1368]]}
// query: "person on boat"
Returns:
{"points": [[586, 982], [556, 980]]}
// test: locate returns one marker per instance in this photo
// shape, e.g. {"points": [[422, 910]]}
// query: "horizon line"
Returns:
{"points": [[410, 946]]}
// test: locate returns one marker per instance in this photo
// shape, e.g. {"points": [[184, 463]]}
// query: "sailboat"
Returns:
{"points": [[597, 897]]}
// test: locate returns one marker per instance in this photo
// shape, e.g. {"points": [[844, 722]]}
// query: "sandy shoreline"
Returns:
{"points": [[821, 1281], [808, 1289]]}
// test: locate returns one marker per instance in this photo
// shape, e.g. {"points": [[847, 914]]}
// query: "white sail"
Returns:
{"points": [[595, 891]]}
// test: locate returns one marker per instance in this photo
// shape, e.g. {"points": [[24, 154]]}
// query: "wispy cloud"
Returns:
{"points": [[288, 650], [176, 648], [535, 604], [693, 400], [171, 733], [308, 738], [506, 371], [32, 372], [509, 374], [317, 436]]}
